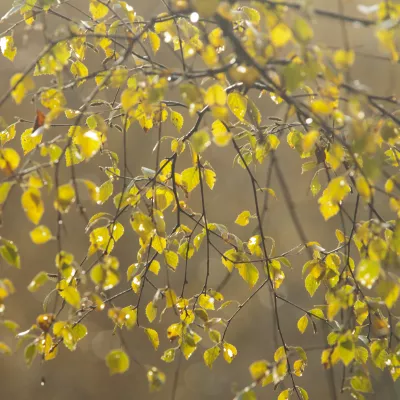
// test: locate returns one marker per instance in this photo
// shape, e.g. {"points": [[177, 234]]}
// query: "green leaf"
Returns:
{"points": [[200, 141], [361, 383], [38, 281], [302, 30], [361, 355], [308, 166], [346, 350], [169, 355], [5, 349], [30, 353], [302, 323], [210, 355], [9, 252], [303, 393], [117, 361], [156, 379], [153, 337], [379, 355]]}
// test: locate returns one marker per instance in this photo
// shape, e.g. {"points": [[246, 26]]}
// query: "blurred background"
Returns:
{"points": [[83, 374]]}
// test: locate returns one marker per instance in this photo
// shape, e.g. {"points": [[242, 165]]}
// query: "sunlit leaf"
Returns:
{"points": [[153, 337], [117, 362], [41, 234]]}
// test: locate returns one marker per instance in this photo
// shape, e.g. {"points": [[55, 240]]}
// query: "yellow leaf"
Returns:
{"points": [[154, 267], [79, 70], [73, 155], [215, 95], [190, 178], [229, 352], [30, 140], [41, 234], [284, 395], [9, 160], [206, 301], [309, 140], [210, 177], [154, 41], [97, 10], [243, 218], [65, 197], [7, 134], [302, 323], [343, 59], [221, 135], [7, 47], [4, 191], [170, 298], [333, 196], [171, 259], [151, 311], [104, 192], [33, 205], [237, 103], [280, 35], [153, 337], [387, 40], [363, 188], [117, 361], [52, 99], [177, 120], [22, 86], [249, 273], [322, 107], [71, 295], [89, 142]]}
